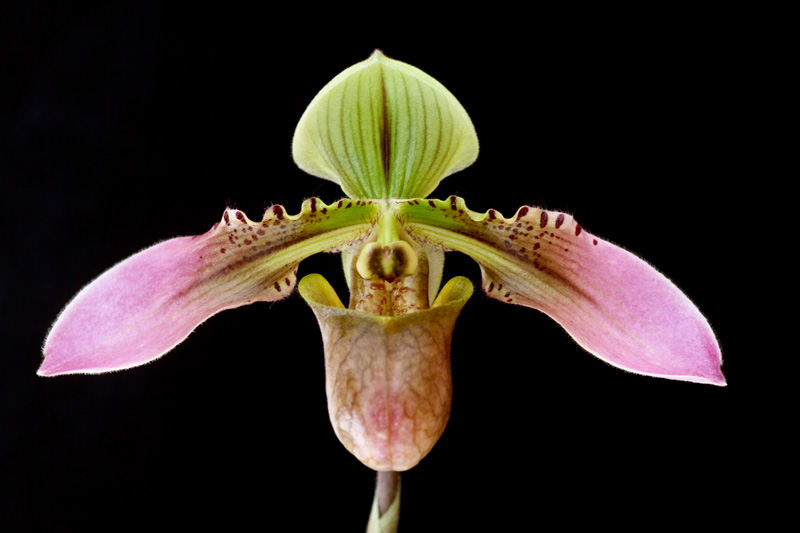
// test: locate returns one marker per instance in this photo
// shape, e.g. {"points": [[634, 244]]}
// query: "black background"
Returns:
{"points": [[131, 123]]}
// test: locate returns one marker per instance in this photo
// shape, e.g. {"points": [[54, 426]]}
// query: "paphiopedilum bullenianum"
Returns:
{"points": [[387, 133]]}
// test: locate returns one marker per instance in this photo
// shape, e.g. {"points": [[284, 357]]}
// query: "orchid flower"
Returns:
{"points": [[387, 133]]}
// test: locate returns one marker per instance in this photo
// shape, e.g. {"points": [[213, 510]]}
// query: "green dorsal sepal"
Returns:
{"points": [[384, 129]]}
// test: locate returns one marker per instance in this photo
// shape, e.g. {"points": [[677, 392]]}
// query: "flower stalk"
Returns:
{"points": [[384, 515]]}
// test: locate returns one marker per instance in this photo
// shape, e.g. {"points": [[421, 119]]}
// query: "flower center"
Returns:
{"points": [[392, 279], [386, 262]]}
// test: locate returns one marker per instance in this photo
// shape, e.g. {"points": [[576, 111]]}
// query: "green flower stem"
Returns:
{"points": [[385, 513]]}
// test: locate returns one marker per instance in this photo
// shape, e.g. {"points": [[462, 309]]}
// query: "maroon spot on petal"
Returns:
{"points": [[488, 289], [277, 211], [222, 250], [248, 241], [277, 286], [543, 219], [594, 241], [453, 203], [261, 232], [431, 203], [349, 205], [324, 210], [522, 212], [226, 218], [340, 203], [492, 214], [240, 215], [313, 204], [506, 295], [559, 220], [288, 283], [578, 229], [536, 246]]}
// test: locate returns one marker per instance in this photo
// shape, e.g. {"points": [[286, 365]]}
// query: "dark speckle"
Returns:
{"points": [[453, 203], [240, 215], [277, 211], [522, 212], [313, 204], [543, 219], [277, 286], [559, 220], [226, 218], [594, 241], [578, 229], [431, 203]]}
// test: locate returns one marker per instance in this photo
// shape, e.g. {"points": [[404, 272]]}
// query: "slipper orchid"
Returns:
{"points": [[387, 133]]}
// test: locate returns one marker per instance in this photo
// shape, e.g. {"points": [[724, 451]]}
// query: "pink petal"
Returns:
{"points": [[147, 304], [612, 303]]}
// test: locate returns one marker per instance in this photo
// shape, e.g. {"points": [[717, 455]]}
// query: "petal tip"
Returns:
{"points": [[44, 372]]}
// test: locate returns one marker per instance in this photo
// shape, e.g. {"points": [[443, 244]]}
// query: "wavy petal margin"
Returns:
{"points": [[144, 306], [612, 303]]}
